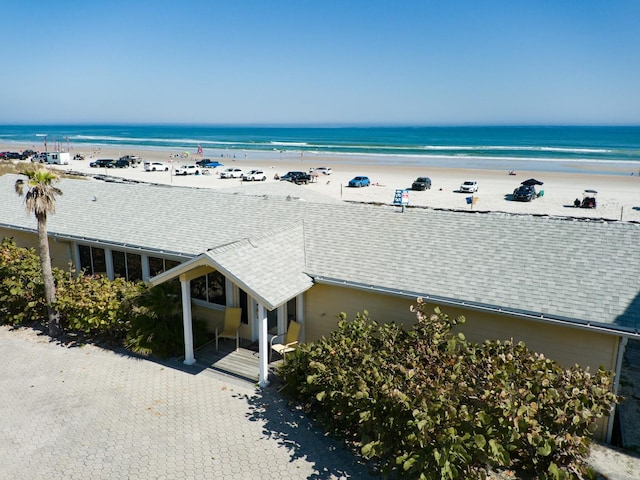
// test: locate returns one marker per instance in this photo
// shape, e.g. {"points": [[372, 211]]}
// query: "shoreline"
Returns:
{"points": [[474, 162], [618, 194]]}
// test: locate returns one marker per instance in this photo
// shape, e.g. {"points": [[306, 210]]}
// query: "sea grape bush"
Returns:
{"points": [[21, 287], [96, 305], [427, 404], [147, 320]]}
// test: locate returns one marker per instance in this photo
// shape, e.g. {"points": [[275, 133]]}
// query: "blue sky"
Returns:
{"points": [[321, 62]]}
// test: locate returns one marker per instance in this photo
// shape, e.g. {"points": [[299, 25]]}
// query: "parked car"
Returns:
{"points": [[359, 182], [421, 183], [470, 186], [231, 173], [103, 162], [524, 193], [25, 155], [155, 167], [208, 163], [11, 156], [122, 163], [254, 176], [132, 159], [40, 158], [297, 177], [188, 170], [321, 170]]}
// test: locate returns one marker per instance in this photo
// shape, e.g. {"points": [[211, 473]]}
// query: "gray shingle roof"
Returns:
{"points": [[575, 269]]}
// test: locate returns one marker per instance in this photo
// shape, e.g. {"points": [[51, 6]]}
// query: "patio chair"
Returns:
{"points": [[231, 328], [291, 339]]}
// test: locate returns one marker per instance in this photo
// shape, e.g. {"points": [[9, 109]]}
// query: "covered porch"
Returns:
{"points": [[243, 363], [262, 276]]}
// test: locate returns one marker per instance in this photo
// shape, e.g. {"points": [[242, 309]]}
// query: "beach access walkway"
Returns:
{"points": [[82, 412]]}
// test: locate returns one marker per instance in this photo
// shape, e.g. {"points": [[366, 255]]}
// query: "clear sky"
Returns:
{"points": [[416, 62]]}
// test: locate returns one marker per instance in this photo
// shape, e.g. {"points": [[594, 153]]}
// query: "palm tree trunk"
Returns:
{"points": [[47, 278]]}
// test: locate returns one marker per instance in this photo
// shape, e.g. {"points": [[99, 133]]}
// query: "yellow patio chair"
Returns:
{"points": [[291, 339], [231, 328]]}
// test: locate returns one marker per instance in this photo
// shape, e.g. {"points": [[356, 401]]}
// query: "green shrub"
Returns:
{"points": [[157, 328], [147, 320], [96, 305], [428, 404], [21, 288]]}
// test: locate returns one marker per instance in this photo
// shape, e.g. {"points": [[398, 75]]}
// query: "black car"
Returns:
{"points": [[524, 193], [103, 162], [122, 163], [421, 183]]}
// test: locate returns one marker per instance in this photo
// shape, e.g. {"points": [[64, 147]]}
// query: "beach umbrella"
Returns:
{"points": [[532, 181]]}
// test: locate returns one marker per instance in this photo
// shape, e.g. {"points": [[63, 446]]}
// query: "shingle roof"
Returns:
{"points": [[581, 270]]}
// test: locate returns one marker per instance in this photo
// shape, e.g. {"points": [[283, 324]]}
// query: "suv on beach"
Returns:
{"points": [[470, 186], [231, 173], [421, 183], [103, 162], [254, 176], [524, 193], [187, 170], [359, 182], [122, 163], [155, 167], [132, 159]]}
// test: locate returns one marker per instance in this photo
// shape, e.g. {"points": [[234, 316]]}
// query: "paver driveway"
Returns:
{"points": [[88, 413]]}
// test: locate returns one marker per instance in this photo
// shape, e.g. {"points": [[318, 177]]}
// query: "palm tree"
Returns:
{"points": [[40, 199]]}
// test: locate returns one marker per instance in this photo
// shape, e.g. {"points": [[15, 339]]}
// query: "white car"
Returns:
{"points": [[469, 186], [155, 167], [231, 173], [254, 176], [187, 170], [322, 170]]}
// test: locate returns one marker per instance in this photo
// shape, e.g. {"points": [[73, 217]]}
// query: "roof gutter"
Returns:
{"points": [[626, 332]]}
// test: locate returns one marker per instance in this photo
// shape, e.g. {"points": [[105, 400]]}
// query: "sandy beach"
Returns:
{"points": [[618, 195]]}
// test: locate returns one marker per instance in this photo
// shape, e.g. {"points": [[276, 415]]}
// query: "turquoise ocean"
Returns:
{"points": [[555, 148]]}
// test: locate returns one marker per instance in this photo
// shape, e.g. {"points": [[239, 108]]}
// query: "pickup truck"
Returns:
{"points": [[296, 177]]}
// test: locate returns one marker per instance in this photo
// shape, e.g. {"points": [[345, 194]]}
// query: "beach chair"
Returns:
{"points": [[291, 339], [231, 328], [540, 193]]}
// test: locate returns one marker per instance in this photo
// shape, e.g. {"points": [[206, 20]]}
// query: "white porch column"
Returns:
{"points": [[108, 257], [146, 271], [263, 347], [189, 358]]}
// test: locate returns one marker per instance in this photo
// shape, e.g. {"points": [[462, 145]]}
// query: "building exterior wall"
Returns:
{"points": [[566, 345], [60, 251]]}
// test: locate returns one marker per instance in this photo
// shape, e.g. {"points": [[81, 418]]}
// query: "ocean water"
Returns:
{"points": [[592, 149]]}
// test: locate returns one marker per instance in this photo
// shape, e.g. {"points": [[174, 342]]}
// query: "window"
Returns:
{"points": [[158, 265], [210, 288], [134, 267], [127, 266], [92, 260]]}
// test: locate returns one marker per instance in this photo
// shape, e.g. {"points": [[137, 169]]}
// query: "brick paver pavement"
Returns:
{"points": [[89, 413]]}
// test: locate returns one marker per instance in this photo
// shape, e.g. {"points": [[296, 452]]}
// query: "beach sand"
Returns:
{"points": [[618, 193]]}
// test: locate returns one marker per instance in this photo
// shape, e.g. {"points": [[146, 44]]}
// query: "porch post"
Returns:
{"points": [[189, 358], [263, 347]]}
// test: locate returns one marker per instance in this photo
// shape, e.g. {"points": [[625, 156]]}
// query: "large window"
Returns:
{"points": [[158, 265], [210, 288], [92, 260], [127, 266]]}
